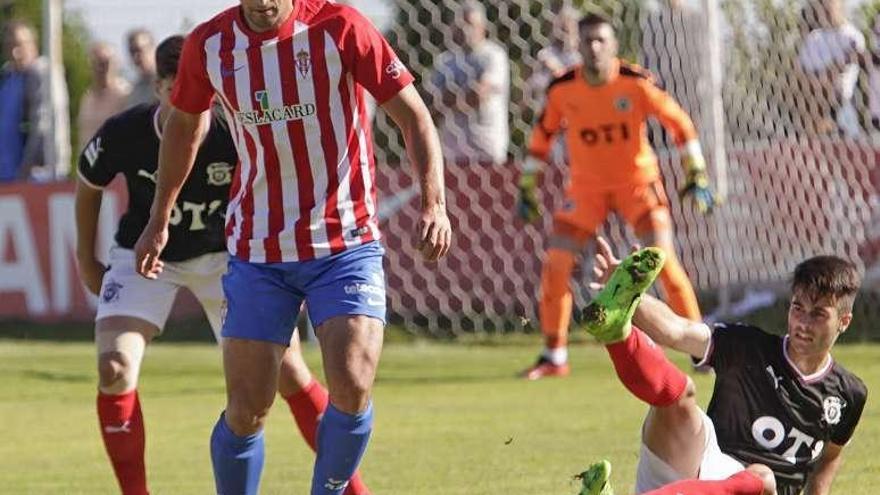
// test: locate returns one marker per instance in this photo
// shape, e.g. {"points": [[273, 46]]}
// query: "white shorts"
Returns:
{"points": [[653, 472], [125, 293]]}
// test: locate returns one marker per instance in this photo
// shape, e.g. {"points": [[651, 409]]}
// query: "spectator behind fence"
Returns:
{"points": [[873, 69], [26, 144], [106, 96], [472, 81], [558, 57], [141, 50], [829, 61]]}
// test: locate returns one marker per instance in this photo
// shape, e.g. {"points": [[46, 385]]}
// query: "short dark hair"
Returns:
{"points": [[824, 276], [591, 19], [168, 56]]}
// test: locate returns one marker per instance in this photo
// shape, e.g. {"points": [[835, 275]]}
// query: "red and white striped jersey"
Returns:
{"points": [[305, 185]]}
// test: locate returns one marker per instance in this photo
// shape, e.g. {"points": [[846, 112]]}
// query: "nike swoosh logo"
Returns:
{"points": [[230, 72], [375, 302]]}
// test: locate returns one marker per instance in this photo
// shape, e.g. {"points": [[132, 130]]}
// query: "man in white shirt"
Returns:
{"points": [[829, 58], [472, 82]]}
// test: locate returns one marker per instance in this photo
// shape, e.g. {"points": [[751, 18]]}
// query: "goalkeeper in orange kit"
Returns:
{"points": [[602, 108]]}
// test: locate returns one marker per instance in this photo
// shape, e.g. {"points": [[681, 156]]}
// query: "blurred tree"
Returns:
{"points": [[75, 42]]}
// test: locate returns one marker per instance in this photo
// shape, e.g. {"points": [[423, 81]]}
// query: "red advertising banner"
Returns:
{"points": [[38, 273]]}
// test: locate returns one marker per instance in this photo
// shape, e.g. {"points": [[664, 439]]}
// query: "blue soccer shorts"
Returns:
{"points": [[263, 300]]}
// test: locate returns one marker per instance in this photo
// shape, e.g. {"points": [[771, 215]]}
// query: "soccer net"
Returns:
{"points": [[788, 148], [787, 135]]}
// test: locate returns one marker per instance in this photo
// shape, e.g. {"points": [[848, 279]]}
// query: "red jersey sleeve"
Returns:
{"points": [[371, 60], [192, 90]]}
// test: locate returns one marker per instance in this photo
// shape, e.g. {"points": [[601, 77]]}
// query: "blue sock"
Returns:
{"points": [[342, 441], [237, 461]]}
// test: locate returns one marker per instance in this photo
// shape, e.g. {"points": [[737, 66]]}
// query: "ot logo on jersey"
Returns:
{"points": [[769, 432], [197, 221], [605, 134]]}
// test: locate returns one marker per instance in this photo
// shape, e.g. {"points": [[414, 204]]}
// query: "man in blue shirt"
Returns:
{"points": [[25, 112]]}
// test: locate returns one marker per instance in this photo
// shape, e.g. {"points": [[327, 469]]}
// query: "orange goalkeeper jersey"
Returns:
{"points": [[605, 126]]}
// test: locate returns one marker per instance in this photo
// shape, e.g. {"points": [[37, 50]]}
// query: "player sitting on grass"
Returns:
{"points": [[783, 402], [755, 479], [131, 309]]}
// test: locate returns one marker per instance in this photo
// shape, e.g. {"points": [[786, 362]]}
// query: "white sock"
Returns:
{"points": [[558, 356]]}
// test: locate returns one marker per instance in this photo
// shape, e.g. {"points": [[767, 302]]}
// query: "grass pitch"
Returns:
{"points": [[450, 419]]}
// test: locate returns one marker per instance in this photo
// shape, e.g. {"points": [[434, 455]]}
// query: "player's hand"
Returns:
{"points": [[92, 273], [697, 187], [434, 233], [605, 262], [148, 248], [528, 208]]}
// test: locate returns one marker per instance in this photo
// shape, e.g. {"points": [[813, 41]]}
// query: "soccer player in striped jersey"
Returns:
{"points": [[301, 223], [131, 309], [602, 107]]}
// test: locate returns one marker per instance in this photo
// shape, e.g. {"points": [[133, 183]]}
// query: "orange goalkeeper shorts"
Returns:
{"points": [[586, 208]]}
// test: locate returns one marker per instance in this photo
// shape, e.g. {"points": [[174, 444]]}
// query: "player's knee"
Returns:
{"points": [[654, 228], [688, 397], [293, 376], [352, 394], [557, 272], [114, 372], [246, 416], [766, 476]]}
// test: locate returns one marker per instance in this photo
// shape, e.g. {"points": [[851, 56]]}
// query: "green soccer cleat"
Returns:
{"points": [[596, 479], [608, 317]]}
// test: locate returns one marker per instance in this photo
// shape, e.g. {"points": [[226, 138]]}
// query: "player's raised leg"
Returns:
{"points": [[121, 341], [674, 428]]}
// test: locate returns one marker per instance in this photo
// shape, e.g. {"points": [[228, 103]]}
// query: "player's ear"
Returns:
{"points": [[845, 320]]}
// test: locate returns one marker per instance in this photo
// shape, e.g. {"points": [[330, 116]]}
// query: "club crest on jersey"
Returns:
{"points": [[111, 291], [268, 114], [219, 174], [622, 104], [303, 62], [833, 407]]}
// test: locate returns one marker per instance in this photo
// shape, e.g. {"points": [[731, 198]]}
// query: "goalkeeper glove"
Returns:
{"points": [[527, 206], [697, 182]]}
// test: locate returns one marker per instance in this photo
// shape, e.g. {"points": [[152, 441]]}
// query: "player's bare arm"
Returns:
{"points": [[819, 481], [653, 316], [181, 138], [423, 148], [88, 208]]}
